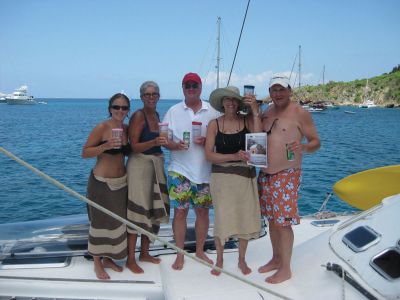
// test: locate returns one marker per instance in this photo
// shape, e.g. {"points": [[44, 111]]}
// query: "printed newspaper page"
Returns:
{"points": [[256, 145]]}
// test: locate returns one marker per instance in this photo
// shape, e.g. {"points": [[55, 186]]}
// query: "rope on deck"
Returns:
{"points": [[130, 224]]}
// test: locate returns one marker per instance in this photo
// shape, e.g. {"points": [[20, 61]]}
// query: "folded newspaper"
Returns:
{"points": [[256, 145]]}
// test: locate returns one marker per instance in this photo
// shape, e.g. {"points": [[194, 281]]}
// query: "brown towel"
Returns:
{"points": [[107, 236], [235, 198], [148, 204]]}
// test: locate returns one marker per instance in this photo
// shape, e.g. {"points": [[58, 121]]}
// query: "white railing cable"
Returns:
{"points": [[130, 224]]}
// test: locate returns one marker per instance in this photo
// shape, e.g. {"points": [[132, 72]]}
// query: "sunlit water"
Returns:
{"points": [[50, 137]]}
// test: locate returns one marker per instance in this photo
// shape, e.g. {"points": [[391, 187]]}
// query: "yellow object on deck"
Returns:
{"points": [[366, 189]]}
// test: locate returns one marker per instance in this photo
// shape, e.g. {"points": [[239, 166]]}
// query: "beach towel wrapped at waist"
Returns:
{"points": [[107, 235], [114, 183], [235, 199], [236, 168], [148, 202]]}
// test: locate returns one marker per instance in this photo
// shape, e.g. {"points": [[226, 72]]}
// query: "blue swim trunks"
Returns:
{"points": [[183, 193]]}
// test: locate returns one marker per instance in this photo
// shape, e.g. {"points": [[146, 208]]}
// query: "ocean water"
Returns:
{"points": [[50, 137]]}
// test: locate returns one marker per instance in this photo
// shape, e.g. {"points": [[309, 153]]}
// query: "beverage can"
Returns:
{"points": [[186, 138], [289, 154]]}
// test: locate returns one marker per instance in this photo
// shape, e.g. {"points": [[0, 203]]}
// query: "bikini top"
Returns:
{"points": [[229, 143], [148, 135], [125, 149]]}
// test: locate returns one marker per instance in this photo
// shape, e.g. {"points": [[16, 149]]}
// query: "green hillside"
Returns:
{"points": [[383, 89]]}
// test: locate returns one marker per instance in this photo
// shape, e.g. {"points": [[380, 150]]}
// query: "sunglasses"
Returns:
{"points": [[153, 95], [119, 107], [191, 86]]}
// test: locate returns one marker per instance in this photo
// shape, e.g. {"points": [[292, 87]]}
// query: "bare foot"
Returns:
{"points": [[109, 263], [150, 259], [215, 272], [279, 276], [244, 267], [204, 257], [100, 272], [134, 267], [179, 261], [273, 264]]}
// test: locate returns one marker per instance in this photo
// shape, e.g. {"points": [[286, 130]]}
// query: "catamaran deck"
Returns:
{"points": [[78, 281]]}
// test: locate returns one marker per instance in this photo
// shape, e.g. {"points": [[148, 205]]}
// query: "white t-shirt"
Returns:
{"points": [[190, 163]]}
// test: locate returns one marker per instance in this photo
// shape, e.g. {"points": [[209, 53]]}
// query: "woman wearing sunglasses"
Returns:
{"points": [[147, 198], [107, 186]]}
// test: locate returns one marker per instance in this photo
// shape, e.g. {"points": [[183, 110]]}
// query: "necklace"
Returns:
{"points": [[234, 136], [223, 125]]}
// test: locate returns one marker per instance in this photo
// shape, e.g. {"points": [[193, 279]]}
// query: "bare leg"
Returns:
{"points": [[99, 269], [275, 261], [179, 228], [144, 251], [220, 256], [242, 257], [131, 263], [286, 246], [201, 228]]}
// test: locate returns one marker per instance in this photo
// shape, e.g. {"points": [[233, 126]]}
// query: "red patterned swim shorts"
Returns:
{"points": [[278, 195]]}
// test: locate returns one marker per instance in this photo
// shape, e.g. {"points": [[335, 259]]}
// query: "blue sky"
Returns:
{"points": [[93, 49]]}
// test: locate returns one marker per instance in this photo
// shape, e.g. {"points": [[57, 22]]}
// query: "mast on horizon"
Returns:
{"points": [[218, 48], [299, 66]]}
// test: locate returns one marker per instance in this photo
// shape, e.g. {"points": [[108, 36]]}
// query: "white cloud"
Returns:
{"points": [[260, 80]]}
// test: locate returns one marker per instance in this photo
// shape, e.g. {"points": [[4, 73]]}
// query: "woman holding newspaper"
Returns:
{"points": [[233, 181]]}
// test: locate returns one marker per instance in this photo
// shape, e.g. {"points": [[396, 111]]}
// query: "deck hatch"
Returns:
{"points": [[35, 262], [361, 238], [387, 263]]}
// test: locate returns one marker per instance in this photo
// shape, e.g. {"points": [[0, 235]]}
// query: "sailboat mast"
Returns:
{"points": [[218, 48], [299, 66], [238, 43]]}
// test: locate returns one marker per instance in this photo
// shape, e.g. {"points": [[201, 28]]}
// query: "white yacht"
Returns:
{"points": [[367, 104], [20, 96], [334, 257]]}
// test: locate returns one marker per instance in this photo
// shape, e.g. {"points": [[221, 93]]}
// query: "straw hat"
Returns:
{"points": [[230, 91]]}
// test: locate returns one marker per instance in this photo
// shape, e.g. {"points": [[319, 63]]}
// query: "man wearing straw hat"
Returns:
{"points": [[286, 124], [188, 170]]}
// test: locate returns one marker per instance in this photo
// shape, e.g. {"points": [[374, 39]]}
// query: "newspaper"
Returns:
{"points": [[256, 145]]}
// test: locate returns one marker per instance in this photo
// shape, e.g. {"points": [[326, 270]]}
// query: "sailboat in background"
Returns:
{"points": [[324, 101], [307, 105], [367, 103]]}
